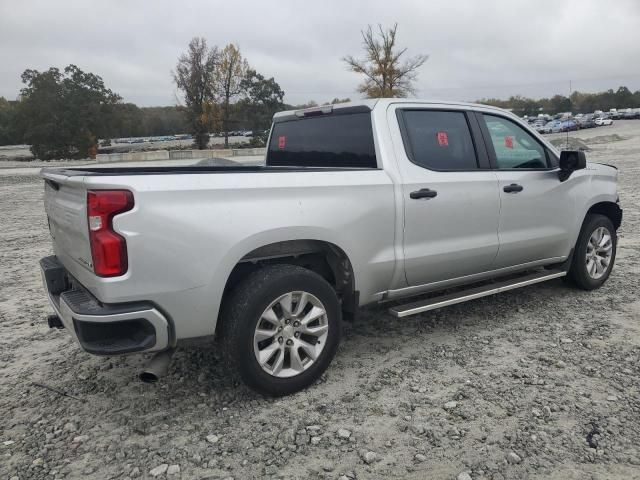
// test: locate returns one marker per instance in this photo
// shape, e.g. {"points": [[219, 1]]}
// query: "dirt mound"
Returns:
{"points": [[604, 139], [570, 143]]}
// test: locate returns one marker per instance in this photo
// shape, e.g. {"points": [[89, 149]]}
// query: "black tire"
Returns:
{"points": [[578, 274], [245, 306]]}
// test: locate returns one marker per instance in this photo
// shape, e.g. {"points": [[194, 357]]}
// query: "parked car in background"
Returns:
{"points": [[586, 121], [554, 126], [568, 125], [604, 120]]}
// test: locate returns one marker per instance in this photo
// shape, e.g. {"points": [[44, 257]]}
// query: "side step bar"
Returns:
{"points": [[473, 293]]}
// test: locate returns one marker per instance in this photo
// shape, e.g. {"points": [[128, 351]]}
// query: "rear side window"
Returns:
{"points": [[334, 140], [438, 140]]}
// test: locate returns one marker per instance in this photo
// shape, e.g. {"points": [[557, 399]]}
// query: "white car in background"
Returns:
{"points": [[600, 121]]}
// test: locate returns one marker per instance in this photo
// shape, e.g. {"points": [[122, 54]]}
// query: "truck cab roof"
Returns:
{"points": [[370, 104]]}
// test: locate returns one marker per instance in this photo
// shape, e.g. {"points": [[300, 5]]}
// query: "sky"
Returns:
{"points": [[477, 48]]}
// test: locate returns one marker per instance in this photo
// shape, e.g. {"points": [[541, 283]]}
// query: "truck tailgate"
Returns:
{"points": [[65, 200]]}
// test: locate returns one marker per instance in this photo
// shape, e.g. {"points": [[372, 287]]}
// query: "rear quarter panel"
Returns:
{"points": [[187, 232]]}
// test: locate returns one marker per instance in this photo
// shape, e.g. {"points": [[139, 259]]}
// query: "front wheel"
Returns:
{"points": [[281, 328], [595, 252]]}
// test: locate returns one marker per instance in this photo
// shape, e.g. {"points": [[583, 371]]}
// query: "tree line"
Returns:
{"points": [[62, 114], [577, 102]]}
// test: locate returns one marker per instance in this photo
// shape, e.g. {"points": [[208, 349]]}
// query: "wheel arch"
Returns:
{"points": [[323, 257], [610, 210]]}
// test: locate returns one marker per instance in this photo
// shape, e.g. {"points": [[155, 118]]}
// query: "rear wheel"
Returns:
{"points": [[595, 252], [281, 328]]}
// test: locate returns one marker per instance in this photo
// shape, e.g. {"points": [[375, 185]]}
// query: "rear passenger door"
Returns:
{"points": [[537, 209], [450, 194]]}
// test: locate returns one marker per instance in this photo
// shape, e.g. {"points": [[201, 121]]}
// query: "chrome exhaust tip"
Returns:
{"points": [[157, 367]]}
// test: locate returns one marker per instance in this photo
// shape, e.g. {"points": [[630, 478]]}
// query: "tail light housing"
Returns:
{"points": [[108, 248]]}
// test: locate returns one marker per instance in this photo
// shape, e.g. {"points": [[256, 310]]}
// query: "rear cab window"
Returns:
{"points": [[438, 140], [326, 140]]}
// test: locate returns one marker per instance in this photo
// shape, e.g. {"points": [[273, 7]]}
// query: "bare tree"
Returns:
{"points": [[385, 74], [195, 77], [230, 73]]}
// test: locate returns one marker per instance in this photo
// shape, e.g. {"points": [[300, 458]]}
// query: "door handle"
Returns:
{"points": [[513, 188], [423, 193]]}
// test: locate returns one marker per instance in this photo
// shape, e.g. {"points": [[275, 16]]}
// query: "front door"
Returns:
{"points": [[450, 195], [537, 210]]}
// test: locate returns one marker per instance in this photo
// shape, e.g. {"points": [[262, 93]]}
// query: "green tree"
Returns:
{"points": [[578, 102], [8, 132], [62, 114], [230, 72], [195, 77], [128, 121], [165, 120], [386, 75], [559, 103], [263, 98], [624, 98]]}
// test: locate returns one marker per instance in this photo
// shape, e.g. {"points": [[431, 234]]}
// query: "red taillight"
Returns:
{"points": [[108, 249]]}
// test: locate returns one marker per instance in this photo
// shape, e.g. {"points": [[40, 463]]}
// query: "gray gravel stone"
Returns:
{"points": [[159, 470], [513, 457], [450, 405], [369, 457]]}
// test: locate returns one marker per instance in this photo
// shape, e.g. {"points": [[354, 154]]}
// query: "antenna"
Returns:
{"points": [[567, 146]]}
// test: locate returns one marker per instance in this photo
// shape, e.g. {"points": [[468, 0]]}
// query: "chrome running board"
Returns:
{"points": [[473, 293]]}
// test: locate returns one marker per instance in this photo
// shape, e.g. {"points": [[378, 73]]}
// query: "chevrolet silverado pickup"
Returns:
{"points": [[360, 203]]}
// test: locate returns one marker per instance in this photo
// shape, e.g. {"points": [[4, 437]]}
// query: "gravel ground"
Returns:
{"points": [[536, 383]]}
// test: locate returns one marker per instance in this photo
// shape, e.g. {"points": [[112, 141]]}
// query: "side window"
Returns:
{"points": [[514, 147], [438, 140]]}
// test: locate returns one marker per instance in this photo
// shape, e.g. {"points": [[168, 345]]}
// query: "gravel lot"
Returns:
{"points": [[536, 383]]}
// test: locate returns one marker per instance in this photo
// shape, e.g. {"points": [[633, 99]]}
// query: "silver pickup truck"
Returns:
{"points": [[368, 202]]}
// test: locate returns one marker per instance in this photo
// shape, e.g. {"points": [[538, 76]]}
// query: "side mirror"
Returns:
{"points": [[570, 161]]}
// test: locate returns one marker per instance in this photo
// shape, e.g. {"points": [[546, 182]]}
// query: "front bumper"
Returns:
{"points": [[99, 328]]}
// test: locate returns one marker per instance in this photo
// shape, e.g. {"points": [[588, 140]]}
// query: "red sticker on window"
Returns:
{"points": [[508, 142], [282, 141], [443, 139]]}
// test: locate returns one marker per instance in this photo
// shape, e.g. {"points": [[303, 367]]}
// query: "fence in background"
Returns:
{"points": [[178, 154]]}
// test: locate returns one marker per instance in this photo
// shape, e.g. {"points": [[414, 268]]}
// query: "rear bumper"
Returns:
{"points": [[99, 328]]}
